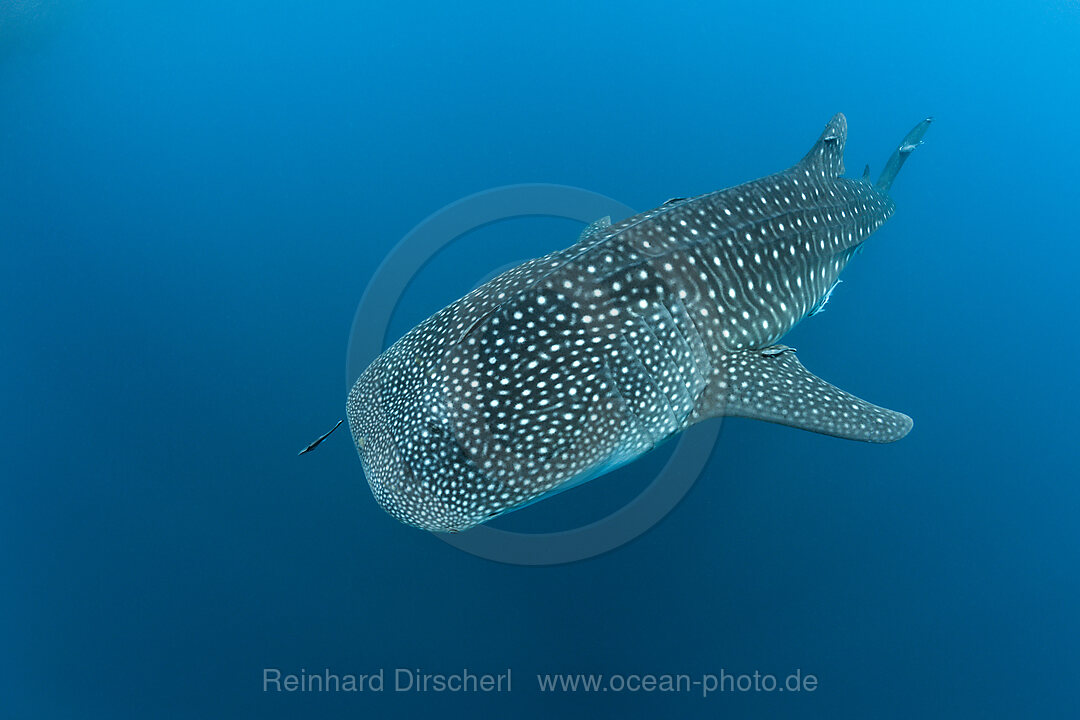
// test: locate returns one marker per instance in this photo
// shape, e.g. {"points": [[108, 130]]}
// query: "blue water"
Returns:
{"points": [[193, 199]]}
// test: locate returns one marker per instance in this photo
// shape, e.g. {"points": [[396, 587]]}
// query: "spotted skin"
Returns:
{"points": [[570, 365]]}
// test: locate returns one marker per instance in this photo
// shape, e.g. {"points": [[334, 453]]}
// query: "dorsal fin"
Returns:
{"points": [[827, 156], [595, 227]]}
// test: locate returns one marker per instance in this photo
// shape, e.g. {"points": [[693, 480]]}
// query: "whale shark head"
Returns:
{"points": [[417, 470]]}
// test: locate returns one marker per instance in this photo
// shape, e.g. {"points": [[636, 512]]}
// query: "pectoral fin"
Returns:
{"points": [[772, 385]]}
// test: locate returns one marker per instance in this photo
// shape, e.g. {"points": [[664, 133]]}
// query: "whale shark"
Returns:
{"points": [[573, 364]]}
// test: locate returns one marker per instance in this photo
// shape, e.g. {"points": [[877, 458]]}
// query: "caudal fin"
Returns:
{"points": [[911, 141]]}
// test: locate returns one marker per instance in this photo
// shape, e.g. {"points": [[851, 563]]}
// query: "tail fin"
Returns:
{"points": [[911, 141]]}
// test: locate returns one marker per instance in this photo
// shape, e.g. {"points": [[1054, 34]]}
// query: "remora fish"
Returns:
{"points": [[575, 363]]}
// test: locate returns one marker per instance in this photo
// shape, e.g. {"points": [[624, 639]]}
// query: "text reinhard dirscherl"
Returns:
{"points": [[418, 681], [401, 680]]}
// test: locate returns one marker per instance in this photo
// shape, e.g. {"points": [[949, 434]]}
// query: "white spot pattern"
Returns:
{"points": [[574, 363]]}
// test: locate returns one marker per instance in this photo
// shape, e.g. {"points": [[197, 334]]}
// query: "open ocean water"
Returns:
{"points": [[195, 196]]}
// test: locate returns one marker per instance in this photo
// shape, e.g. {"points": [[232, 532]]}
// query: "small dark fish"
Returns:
{"points": [[315, 444]]}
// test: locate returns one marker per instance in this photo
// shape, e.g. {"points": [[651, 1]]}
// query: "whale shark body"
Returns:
{"points": [[573, 364]]}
